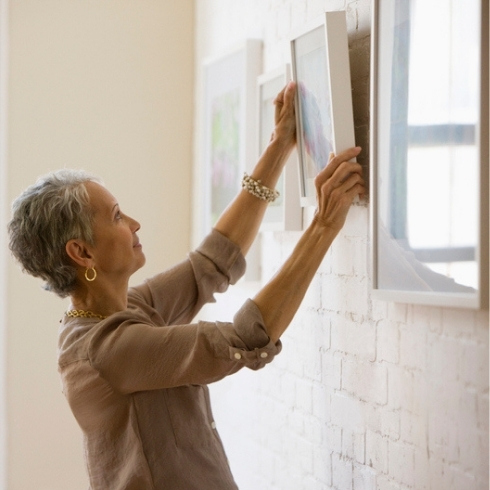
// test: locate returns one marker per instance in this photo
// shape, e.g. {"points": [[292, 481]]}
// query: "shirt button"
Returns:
{"points": [[263, 355], [213, 424], [238, 355]]}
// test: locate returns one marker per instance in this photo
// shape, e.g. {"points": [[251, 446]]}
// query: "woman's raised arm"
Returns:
{"points": [[337, 186]]}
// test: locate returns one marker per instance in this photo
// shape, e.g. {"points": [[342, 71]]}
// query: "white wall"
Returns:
{"points": [[105, 86], [366, 394], [3, 233]]}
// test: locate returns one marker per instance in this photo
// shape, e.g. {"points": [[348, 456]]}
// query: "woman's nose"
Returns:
{"points": [[135, 226]]}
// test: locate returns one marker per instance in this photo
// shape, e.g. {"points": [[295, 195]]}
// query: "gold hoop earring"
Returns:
{"points": [[90, 279]]}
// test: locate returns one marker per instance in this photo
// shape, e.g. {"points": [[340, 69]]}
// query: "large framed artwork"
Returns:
{"points": [[429, 152], [284, 214], [320, 65], [229, 124], [229, 134]]}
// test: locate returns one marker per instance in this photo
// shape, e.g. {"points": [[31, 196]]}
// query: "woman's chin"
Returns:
{"points": [[141, 262]]}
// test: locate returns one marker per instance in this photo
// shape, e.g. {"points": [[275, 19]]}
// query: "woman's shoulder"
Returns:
{"points": [[76, 334]]}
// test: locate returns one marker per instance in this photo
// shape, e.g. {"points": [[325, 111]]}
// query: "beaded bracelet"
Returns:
{"points": [[258, 190]]}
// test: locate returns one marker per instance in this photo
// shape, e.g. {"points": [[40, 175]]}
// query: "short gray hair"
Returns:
{"points": [[45, 217]]}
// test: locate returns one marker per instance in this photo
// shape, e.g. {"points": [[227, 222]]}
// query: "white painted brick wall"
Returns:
{"points": [[366, 394]]}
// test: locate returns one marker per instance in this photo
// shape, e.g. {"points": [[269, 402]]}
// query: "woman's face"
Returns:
{"points": [[117, 251]]}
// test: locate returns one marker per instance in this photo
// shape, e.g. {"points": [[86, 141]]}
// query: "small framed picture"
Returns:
{"points": [[284, 214], [320, 65]]}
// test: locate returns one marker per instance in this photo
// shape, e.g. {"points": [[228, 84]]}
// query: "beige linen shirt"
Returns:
{"points": [[136, 381]]}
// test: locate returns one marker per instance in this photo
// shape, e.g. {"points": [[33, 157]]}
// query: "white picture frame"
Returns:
{"points": [[228, 134], [285, 213], [325, 121], [429, 154]]}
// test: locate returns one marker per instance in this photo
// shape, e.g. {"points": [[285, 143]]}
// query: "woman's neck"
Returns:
{"points": [[99, 299]]}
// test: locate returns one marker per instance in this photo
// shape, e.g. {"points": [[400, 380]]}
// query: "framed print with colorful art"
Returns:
{"points": [[285, 213], [229, 133], [229, 124], [320, 65]]}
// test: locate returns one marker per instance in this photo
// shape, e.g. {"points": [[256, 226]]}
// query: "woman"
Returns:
{"points": [[133, 366]]}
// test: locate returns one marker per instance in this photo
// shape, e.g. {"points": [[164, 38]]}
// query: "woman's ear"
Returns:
{"points": [[79, 253]]}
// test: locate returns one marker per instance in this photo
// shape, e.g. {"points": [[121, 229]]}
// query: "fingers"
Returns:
{"points": [[284, 100], [347, 176], [335, 199], [284, 116], [341, 174], [336, 186], [279, 104], [354, 181], [289, 93], [339, 168], [336, 160], [286, 94], [279, 100]]}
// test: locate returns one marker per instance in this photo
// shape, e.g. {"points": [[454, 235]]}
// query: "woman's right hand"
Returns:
{"points": [[336, 186], [284, 115]]}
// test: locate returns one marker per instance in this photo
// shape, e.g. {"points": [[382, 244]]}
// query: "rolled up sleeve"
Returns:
{"points": [[257, 348], [225, 255], [138, 356], [180, 292]]}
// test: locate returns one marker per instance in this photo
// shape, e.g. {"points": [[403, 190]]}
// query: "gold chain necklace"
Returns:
{"points": [[83, 314]]}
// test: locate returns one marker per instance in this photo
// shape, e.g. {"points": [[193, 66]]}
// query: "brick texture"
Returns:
{"points": [[366, 394]]}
